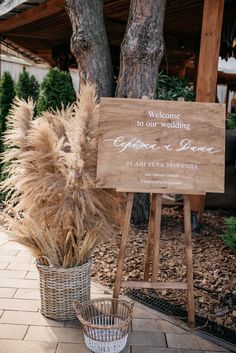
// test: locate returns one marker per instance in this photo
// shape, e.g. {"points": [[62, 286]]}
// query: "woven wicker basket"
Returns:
{"points": [[59, 288], [105, 324]]}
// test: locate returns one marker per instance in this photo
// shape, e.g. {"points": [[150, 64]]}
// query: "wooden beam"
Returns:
{"points": [[125, 234], [156, 238], [46, 9], [207, 68], [149, 245], [22, 51], [209, 50], [189, 260], [154, 285], [46, 55]]}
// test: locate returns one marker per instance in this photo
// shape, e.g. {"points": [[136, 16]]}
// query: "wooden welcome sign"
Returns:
{"points": [[161, 146]]}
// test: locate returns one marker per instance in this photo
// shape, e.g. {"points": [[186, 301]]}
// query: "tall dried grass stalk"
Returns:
{"points": [[58, 213]]}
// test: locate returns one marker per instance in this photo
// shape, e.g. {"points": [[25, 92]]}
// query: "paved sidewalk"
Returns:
{"points": [[24, 330]]}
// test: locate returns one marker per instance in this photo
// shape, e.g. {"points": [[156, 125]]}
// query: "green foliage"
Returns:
{"points": [[231, 121], [34, 88], [7, 94], [173, 87], [27, 86], [56, 90], [3, 176], [230, 233]]}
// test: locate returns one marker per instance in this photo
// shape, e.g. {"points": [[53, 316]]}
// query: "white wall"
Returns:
{"points": [[16, 67]]}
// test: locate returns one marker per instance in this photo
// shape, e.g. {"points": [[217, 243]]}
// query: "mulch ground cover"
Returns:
{"points": [[214, 264]]}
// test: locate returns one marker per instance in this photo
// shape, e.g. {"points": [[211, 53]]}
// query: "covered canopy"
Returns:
{"points": [[44, 28]]}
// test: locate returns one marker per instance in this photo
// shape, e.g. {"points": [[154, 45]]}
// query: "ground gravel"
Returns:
{"points": [[214, 264]]}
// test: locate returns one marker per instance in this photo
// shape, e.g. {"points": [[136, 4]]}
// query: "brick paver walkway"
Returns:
{"points": [[24, 330]]}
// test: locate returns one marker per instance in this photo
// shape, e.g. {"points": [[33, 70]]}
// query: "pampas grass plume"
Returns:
{"points": [[53, 207]]}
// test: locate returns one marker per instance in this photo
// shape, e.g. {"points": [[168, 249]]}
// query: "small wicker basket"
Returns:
{"points": [[60, 287], [105, 324]]}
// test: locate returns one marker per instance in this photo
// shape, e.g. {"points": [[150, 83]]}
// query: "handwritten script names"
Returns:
{"points": [[122, 144]]}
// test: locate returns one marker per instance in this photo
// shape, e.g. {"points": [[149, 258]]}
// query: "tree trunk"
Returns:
{"points": [[89, 43], [141, 53], [142, 49]]}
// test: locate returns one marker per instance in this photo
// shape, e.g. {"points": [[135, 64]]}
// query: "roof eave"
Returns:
{"points": [[9, 5]]}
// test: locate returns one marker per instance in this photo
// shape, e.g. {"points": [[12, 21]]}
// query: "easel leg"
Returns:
{"points": [[201, 208], [189, 260], [124, 239], [149, 245], [157, 237]]}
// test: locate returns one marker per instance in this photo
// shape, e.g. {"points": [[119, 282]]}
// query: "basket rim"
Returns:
{"points": [[128, 305], [61, 269]]}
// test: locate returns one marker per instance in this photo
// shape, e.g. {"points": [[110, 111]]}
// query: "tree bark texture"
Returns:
{"points": [[89, 43], [142, 49]]}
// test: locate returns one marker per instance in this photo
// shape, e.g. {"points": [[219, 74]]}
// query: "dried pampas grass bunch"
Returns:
{"points": [[53, 206]]}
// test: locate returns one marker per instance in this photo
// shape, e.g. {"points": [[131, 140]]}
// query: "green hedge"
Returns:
{"points": [[27, 86], [7, 94], [56, 90]]}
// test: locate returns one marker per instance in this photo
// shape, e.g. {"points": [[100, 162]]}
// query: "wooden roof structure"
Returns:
{"points": [[42, 26]]}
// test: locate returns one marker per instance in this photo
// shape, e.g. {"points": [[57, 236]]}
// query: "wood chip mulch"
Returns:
{"points": [[214, 264]]}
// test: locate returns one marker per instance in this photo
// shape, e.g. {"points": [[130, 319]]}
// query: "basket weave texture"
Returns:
{"points": [[105, 324], [59, 288]]}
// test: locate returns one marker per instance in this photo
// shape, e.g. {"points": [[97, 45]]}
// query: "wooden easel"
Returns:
{"points": [[153, 251]]}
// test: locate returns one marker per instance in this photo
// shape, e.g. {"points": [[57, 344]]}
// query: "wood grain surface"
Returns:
{"points": [[161, 146]]}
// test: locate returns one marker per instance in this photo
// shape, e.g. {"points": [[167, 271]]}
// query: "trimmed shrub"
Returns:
{"points": [[27, 86], [34, 88], [7, 94], [56, 90], [229, 235]]}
